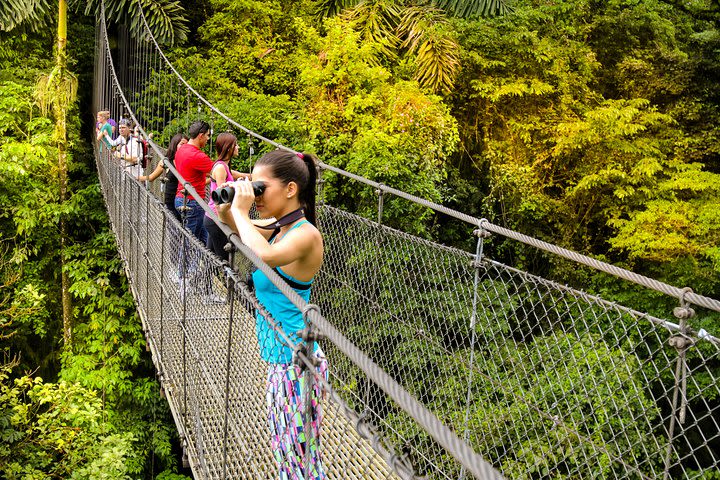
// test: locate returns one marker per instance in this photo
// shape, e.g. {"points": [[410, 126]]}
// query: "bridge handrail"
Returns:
{"points": [[683, 294], [464, 454]]}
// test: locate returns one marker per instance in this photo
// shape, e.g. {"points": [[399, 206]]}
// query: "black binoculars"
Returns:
{"points": [[226, 194]]}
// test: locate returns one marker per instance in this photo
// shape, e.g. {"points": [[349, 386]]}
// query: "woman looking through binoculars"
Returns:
{"points": [[293, 246]]}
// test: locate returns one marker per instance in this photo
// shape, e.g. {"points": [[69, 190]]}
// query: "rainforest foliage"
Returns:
{"points": [[91, 409], [591, 124]]}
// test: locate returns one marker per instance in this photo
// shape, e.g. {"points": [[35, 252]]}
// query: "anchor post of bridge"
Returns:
{"points": [[477, 265], [681, 341]]}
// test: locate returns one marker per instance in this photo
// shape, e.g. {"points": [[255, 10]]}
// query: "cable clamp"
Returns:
{"points": [[306, 309], [481, 231], [364, 428], [310, 333], [303, 350], [681, 342], [229, 246], [684, 311], [402, 466]]}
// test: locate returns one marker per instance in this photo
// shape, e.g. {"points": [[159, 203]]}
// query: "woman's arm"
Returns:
{"points": [[218, 174], [296, 245], [226, 217], [159, 169]]}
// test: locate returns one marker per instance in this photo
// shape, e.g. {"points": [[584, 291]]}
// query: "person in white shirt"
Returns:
{"points": [[128, 148]]}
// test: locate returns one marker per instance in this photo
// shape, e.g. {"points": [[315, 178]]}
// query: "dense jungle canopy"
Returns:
{"points": [[594, 125]]}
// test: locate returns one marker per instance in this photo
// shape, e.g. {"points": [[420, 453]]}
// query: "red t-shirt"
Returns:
{"points": [[194, 166]]}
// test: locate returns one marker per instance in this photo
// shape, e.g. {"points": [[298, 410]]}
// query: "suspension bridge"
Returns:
{"points": [[444, 363]]}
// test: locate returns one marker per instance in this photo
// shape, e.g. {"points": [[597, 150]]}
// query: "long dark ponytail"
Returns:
{"points": [[307, 196], [173, 146], [299, 168]]}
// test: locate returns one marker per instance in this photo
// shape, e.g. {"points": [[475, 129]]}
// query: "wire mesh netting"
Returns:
{"points": [[543, 381]]}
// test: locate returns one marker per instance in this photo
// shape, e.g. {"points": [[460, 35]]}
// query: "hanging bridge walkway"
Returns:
{"points": [[444, 364]]}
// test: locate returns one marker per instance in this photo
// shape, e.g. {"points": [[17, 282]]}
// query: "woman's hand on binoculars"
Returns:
{"points": [[244, 195]]}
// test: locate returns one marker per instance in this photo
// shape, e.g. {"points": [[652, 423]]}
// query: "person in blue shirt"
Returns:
{"points": [[293, 246]]}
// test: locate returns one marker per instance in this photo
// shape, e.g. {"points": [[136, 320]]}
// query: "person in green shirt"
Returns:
{"points": [[103, 130]]}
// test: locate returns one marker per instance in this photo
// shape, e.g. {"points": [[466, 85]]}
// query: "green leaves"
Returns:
{"points": [[165, 18], [426, 34], [376, 22], [458, 8], [62, 429], [57, 430], [32, 14], [362, 119], [330, 8], [472, 8]]}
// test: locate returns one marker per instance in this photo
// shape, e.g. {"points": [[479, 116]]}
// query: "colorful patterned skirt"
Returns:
{"points": [[287, 419]]}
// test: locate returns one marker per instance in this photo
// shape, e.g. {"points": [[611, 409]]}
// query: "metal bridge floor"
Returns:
{"points": [[202, 416]]}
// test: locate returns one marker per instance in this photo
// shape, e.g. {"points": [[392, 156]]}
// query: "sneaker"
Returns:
{"points": [[213, 299], [174, 277]]}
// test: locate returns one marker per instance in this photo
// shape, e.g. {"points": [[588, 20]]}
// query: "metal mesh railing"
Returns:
{"points": [[539, 379]]}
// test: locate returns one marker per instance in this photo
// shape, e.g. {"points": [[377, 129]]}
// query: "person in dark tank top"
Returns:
{"points": [[171, 181]]}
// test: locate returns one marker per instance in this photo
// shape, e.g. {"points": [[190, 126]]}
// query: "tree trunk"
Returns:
{"points": [[61, 129]]}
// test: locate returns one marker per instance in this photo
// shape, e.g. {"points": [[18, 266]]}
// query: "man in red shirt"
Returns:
{"points": [[194, 166]]}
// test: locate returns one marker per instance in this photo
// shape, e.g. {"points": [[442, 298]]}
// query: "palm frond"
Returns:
{"points": [[56, 90], [376, 20], [473, 8], [33, 15], [164, 17], [415, 24], [437, 63], [330, 8], [425, 34]]}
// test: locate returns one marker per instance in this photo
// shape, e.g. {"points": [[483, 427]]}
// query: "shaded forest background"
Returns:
{"points": [[592, 125]]}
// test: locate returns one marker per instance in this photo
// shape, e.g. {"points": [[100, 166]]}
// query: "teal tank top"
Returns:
{"points": [[273, 348]]}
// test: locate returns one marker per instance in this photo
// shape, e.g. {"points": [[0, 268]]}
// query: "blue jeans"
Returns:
{"points": [[193, 222], [193, 218]]}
